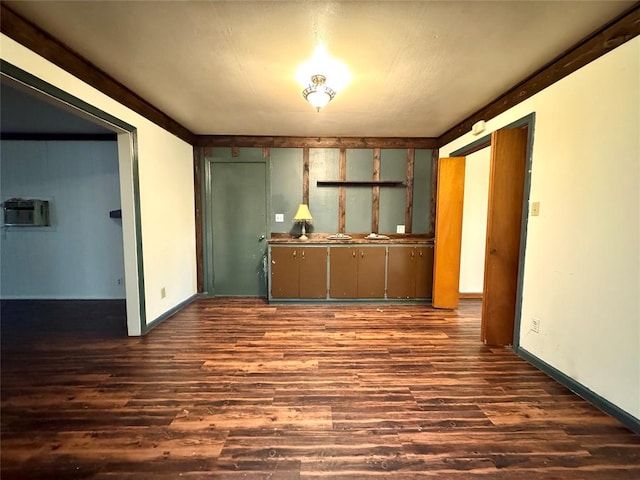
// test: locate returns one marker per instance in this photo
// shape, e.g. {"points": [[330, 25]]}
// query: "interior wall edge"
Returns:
{"points": [[617, 32], [581, 390], [50, 48]]}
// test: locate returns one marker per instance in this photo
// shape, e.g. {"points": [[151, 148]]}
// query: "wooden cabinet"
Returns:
{"points": [[410, 272], [357, 272], [353, 271], [298, 272], [343, 265], [424, 272]]}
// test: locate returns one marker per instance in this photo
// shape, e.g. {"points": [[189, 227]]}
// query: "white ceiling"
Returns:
{"points": [[229, 68]]}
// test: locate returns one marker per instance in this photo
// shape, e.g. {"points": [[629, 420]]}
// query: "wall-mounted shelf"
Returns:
{"points": [[360, 183]]}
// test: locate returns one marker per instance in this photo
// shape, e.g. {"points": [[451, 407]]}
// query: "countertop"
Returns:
{"points": [[356, 239]]}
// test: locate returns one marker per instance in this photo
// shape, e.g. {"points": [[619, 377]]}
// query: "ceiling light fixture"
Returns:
{"points": [[328, 77], [318, 93]]}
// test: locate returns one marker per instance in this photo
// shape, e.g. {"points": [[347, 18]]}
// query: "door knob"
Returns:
{"points": [[261, 237]]}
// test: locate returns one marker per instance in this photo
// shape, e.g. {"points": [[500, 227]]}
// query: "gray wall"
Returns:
{"points": [[285, 184], [80, 255]]}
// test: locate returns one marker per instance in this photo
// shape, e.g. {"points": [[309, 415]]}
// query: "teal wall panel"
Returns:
{"points": [[219, 152], [393, 166], [286, 183], [359, 199], [422, 192], [286, 186], [245, 154], [324, 164]]}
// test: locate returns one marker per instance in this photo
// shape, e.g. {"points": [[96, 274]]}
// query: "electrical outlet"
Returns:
{"points": [[535, 324], [535, 209], [279, 217], [119, 281], [163, 292], [399, 228]]}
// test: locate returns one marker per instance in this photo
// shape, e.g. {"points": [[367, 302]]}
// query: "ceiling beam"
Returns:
{"points": [[39, 41], [314, 142], [610, 36]]}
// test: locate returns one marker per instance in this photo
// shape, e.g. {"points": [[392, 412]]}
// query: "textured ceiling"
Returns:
{"points": [[229, 68]]}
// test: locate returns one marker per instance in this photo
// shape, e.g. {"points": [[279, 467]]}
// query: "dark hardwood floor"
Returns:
{"points": [[240, 389]]}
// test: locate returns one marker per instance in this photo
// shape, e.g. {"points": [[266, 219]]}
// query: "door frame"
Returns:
{"points": [[208, 211], [527, 121], [129, 185]]}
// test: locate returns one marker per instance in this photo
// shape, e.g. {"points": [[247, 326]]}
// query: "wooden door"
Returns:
{"points": [[343, 265], [401, 272], [504, 224], [313, 272], [284, 272], [424, 272], [371, 272], [449, 201]]}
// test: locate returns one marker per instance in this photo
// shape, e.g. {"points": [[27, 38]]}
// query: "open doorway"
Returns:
{"points": [[507, 211], [103, 137]]}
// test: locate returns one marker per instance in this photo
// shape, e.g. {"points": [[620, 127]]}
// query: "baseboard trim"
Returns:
{"points": [[470, 295], [590, 396], [169, 313]]}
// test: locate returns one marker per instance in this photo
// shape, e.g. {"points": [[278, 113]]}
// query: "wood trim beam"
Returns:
{"points": [[342, 192], [314, 142], [434, 190], [197, 183], [375, 192], [305, 175], [39, 41], [609, 37], [408, 213]]}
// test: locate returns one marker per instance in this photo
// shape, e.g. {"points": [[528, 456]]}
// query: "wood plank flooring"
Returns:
{"points": [[240, 389]]}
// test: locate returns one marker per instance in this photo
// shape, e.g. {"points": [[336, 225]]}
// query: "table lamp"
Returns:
{"points": [[303, 216]]}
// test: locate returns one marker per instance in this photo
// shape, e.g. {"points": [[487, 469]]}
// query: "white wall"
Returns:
{"points": [[582, 261], [80, 256], [474, 221], [166, 189]]}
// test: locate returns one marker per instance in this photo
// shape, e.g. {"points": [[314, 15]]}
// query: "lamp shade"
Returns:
{"points": [[318, 94], [318, 98], [303, 215]]}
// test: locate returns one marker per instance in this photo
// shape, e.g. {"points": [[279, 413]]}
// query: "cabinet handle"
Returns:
{"points": [[354, 254], [413, 254], [295, 253], [303, 254], [420, 253], [361, 253]]}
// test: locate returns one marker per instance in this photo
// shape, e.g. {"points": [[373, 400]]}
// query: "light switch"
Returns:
{"points": [[399, 228], [279, 217], [535, 209]]}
